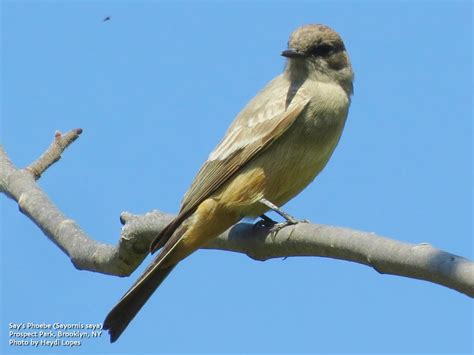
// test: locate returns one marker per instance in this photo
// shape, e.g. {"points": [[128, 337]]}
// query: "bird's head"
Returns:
{"points": [[317, 50]]}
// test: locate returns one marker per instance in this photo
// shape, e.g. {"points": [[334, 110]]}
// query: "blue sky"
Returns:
{"points": [[154, 90]]}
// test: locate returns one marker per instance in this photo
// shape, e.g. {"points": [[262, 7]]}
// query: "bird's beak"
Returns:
{"points": [[292, 53]]}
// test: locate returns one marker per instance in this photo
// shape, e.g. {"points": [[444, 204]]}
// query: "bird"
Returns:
{"points": [[274, 148], [107, 18]]}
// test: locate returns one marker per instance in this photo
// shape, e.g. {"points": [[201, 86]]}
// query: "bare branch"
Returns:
{"points": [[53, 153], [385, 255], [85, 253]]}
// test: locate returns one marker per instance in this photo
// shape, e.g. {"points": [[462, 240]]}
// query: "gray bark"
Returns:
{"points": [[387, 256]]}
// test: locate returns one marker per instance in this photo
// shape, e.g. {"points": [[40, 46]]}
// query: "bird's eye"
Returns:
{"points": [[322, 50]]}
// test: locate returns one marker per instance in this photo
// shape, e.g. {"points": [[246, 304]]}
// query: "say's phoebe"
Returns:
{"points": [[275, 147]]}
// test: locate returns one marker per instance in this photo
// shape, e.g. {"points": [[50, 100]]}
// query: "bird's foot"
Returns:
{"points": [[278, 226], [273, 225]]}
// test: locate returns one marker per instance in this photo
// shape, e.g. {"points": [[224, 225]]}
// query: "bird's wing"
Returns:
{"points": [[257, 126]]}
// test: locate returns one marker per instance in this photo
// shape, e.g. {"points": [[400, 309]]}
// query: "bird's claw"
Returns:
{"points": [[279, 226], [274, 227]]}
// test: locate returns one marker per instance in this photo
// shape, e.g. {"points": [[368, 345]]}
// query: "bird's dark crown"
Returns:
{"points": [[315, 40]]}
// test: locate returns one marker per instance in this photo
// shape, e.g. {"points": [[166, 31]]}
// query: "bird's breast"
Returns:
{"points": [[327, 108], [295, 159]]}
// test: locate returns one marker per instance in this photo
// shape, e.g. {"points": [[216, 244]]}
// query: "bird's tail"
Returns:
{"points": [[127, 308], [131, 303]]}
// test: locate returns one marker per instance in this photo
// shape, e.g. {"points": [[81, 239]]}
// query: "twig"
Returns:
{"points": [[53, 153]]}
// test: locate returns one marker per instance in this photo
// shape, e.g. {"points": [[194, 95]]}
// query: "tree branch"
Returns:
{"points": [[385, 255]]}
